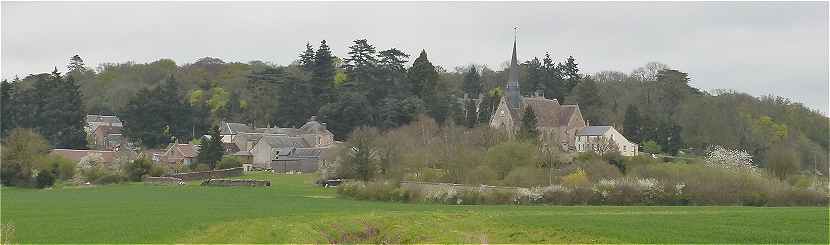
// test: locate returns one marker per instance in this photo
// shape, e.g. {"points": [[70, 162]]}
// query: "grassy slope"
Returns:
{"points": [[295, 211]]}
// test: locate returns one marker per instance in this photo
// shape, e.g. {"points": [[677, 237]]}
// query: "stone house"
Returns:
{"points": [[270, 145], [601, 139], [297, 160]]}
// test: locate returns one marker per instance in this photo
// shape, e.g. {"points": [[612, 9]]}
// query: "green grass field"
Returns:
{"points": [[293, 210]]}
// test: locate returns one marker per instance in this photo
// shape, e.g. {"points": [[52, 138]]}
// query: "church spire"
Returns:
{"points": [[514, 98]]}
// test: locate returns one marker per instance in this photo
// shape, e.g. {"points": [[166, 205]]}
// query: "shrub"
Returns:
{"points": [[136, 169], [92, 173], [157, 171], [44, 179], [557, 194], [229, 162], [576, 179], [109, 178], [598, 169], [200, 167]]}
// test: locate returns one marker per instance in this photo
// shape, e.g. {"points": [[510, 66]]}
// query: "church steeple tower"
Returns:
{"points": [[514, 98]]}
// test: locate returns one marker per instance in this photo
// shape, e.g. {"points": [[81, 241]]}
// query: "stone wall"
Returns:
{"points": [[236, 182], [220, 173], [163, 180]]}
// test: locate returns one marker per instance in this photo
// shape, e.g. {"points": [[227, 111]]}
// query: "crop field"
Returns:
{"points": [[293, 210]]}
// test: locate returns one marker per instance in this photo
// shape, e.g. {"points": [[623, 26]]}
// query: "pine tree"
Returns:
{"points": [[323, 75], [631, 124], [57, 111], [528, 130], [552, 82], [570, 72], [535, 76], [76, 65], [360, 65], [175, 112], [422, 76], [472, 83], [307, 58], [141, 119], [471, 115], [211, 150]]}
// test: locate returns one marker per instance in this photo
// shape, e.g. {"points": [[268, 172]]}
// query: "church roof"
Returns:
{"points": [[547, 111], [565, 114]]}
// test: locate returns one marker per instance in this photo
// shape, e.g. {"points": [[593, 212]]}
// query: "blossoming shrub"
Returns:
{"points": [[700, 184], [658, 184]]}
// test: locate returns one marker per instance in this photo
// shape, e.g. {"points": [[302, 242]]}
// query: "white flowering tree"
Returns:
{"points": [[721, 157]]}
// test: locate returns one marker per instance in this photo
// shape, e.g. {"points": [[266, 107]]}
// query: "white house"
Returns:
{"points": [[601, 139]]}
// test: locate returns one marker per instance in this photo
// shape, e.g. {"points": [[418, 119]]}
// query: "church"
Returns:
{"points": [[563, 122]]}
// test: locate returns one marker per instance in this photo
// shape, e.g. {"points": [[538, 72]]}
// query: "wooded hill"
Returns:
{"points": [[653, 105]]}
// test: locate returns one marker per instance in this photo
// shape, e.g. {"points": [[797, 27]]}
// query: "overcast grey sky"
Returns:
{"points": [[759, 48]]}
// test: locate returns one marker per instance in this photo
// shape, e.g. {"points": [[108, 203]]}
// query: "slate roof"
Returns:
{"points": [[280, 141], [593, 131], [234, 128], [287, 154], [283, 131], [314, 127]]}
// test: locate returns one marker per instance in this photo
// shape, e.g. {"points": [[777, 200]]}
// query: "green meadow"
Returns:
{"points": [[293, 210]]}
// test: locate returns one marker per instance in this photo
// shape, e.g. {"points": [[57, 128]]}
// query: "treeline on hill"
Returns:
{"points": [[421, 162], [653, 106]]}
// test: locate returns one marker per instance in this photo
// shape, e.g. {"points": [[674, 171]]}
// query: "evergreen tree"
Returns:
{"points": [[528, 130], [349, 111], [471, 115], [323, 74], [488, 105], [57, 111], [360, 65], [307, 58], [422, 76], [76, 64], [211, 150], [570, 72], [295, 101], [535, 76], [392, 73], [262, 86], [141, 121], [631, 124], [586, 94], [175, 112], [552, 79], [472, 83]]}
